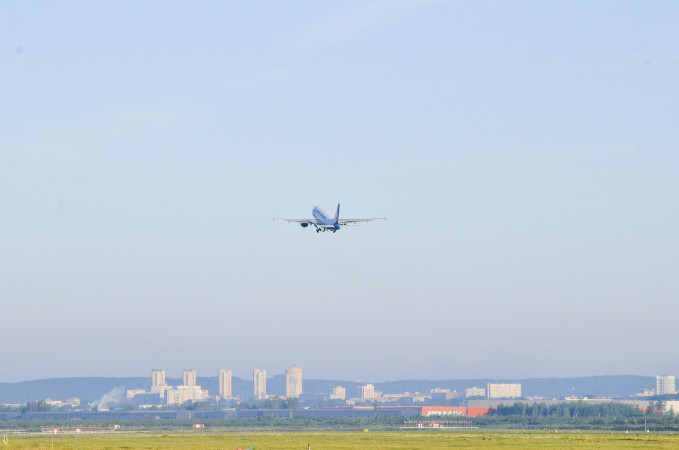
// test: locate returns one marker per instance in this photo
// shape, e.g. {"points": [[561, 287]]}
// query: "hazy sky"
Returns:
{"points": [[525, 154]]}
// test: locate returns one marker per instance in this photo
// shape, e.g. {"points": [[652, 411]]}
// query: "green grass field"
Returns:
{"points": [[346, 440]]}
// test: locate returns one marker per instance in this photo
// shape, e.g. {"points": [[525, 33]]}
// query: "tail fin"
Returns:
{"points": [[337, 214]]}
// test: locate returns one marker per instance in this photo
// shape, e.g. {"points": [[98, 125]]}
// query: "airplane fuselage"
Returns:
{"points": [[323, 218]]}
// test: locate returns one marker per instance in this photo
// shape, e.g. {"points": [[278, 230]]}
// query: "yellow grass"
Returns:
{"points": [[346, 440]]}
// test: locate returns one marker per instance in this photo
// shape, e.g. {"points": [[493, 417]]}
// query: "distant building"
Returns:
{"points": [[420, 398], [671, 406], [338, 393], [259, 381], [225, 383], [50, 402], [382, 397], [132, 392], [503, 390], [368, 392], [645, 393], [665, 384], [293, 382], [158, 378], [158, 384], [189, 377], [186, 393], [475, 392], [147, 400], [313, 397], [160, 390], [453, 411], [438, 410], [439, 394]]}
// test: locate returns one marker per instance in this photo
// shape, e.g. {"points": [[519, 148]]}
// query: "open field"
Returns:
{"points": [[347, 440]]}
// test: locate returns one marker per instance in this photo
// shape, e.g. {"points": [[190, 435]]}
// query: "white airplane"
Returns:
{"points": [[324, 222]]}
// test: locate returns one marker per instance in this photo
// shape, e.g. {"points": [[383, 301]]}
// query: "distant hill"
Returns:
{"points": [[85, 388], [598, 386], [92, 388]]}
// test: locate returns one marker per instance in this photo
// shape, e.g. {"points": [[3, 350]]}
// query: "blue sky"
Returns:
{"points": [[525, 154]]}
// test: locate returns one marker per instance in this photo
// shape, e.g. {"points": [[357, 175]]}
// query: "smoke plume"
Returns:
{"points": [[116, 396]]}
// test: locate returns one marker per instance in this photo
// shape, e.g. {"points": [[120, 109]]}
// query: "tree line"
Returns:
{"points": [[569, 409]]}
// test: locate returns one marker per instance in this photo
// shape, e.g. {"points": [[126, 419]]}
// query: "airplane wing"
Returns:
{"points": [[296, 220], [349, 221]]}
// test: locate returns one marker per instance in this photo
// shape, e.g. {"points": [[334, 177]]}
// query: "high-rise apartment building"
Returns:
{"points": [[368, 391], [189, 377], [158, 378], [158, 384], [225, 383], [503, 390], [338, 393], [259, 380], [293, 382], [665, 384]]}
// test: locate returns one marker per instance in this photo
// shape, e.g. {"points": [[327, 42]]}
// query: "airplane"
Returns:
{"points": [[324, 222]]}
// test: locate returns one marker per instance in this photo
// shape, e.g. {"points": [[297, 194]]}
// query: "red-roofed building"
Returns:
{"points": [[438, 411], [427, 411]]}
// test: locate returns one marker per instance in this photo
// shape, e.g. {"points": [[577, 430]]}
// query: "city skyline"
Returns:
{"points": [[441, 393], [430, 392], [439, 400]]}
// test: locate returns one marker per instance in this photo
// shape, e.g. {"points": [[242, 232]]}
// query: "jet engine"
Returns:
{"points": [[304, 224]]}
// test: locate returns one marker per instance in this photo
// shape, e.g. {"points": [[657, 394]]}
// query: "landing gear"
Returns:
{"points": [[323, 229]]}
